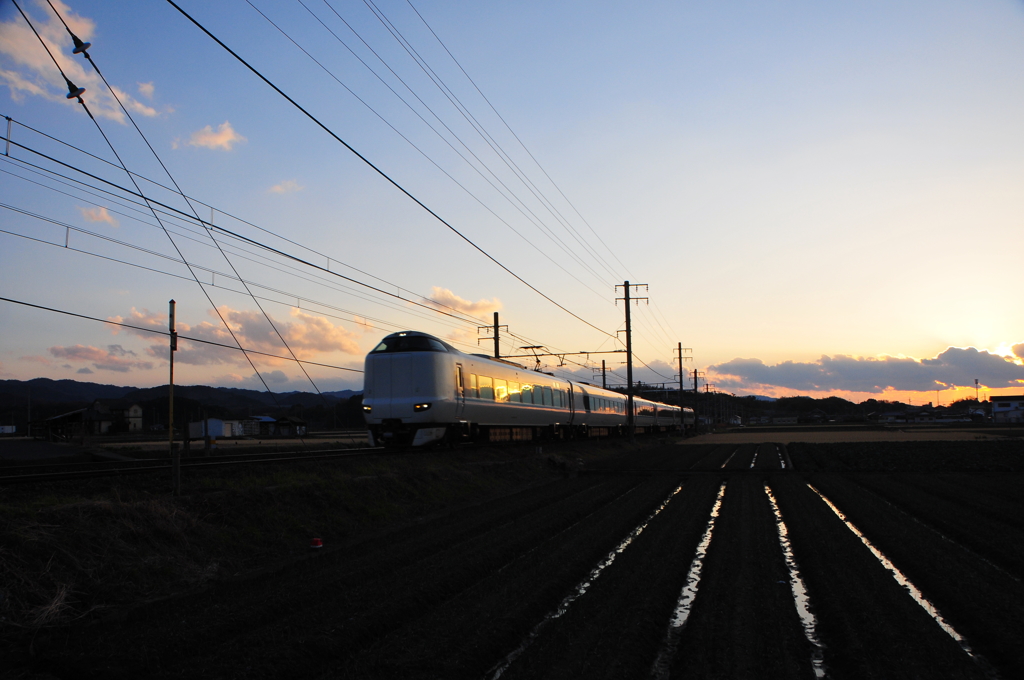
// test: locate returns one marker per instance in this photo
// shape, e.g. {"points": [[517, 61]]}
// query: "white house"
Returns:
{"points": [[1008, 408]]}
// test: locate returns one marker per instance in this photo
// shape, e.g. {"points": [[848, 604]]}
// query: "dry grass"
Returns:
{"points": [[71, 549]]}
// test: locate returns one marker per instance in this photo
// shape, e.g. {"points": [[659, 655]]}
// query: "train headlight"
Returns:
{"points": [[367, 409], [421, 407]]}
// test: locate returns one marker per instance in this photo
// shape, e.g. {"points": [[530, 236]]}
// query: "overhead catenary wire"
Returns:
{"points": [[484, 135], [180, 336], [77, 93], [521, 207], [290, 295], [433, 304], [400, 297], [383, 174], [81, 48], [516, 136]]}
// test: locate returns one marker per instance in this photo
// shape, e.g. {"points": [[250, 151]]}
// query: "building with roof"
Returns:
{"points": [[1008, 408]]}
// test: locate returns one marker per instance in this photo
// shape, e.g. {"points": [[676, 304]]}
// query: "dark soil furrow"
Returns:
{"points": [[987, 536], [616, 629], [980, 602], [744, 623], [468, 634], [869, 625]]}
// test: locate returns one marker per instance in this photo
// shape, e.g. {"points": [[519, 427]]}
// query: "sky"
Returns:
{"points": [[819, 199]]}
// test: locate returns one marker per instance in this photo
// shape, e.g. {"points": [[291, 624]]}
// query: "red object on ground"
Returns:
{"points": [[316, 543]]}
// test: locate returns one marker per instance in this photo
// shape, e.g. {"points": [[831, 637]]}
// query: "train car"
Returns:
{"points": [[419, 390]]}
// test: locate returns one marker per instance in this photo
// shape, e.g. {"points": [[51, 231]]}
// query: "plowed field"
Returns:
{"points": [[584, 577]]}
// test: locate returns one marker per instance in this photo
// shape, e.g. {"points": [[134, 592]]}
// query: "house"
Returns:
{"points": [[1008, 408], [784, 420], [258, 426], [123, 415], [215, 428], [290, 426]]}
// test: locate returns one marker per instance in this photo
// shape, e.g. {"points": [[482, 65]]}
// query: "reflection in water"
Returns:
{"points": [[800, 597], [730, 458], [503, 665], [686, 597], [902, 580], [753, 461], [782, 461]]}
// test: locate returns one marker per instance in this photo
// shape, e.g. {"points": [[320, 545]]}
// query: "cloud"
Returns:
{"points": [[224, 138], [1018, 350], [132, 104], [113, 358], [308, 335], [954, 367], [98, 214], [442, 298], [146, 89], [33, 72], [45, 361], [85, 371], [286, 187], [273, 377]]}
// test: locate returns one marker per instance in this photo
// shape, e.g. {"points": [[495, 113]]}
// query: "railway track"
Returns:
{"points": [[23, 474]]}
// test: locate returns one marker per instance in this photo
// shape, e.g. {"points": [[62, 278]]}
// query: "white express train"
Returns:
{"points": [[418, 389]]}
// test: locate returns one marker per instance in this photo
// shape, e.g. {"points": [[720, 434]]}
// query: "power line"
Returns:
{"points": [[509, 128], [484, 135], [180, 337], [240, 237], [381, 172]]}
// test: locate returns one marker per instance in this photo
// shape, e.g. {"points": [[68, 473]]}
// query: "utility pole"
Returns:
{"points": [[495, 330], [629, 355], [175, 455], [679, 350]]}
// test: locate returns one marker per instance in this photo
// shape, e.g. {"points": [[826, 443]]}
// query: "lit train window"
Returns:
{"points": [[486, 387], [472, 390], [500, 389], [513, 391]]}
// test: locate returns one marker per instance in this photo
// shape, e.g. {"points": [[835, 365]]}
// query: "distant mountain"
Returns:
{"points": [[47, 390]]}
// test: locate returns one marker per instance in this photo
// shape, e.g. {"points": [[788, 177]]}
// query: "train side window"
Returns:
{"points": [[500, 389], [473, 391], [586, 401], [458, 382], [538, 394], [486, 387], [547, 397], [513, 391], [527, 395]]}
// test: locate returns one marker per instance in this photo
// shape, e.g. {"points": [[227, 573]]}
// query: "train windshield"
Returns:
{"points": [[409, 343]]}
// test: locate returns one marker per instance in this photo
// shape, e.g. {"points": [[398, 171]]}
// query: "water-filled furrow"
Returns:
{"points": [[800, 596], [729, 458], [753, 461], [910, 587], [686, 597], [782, 461], [578, 591]]}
